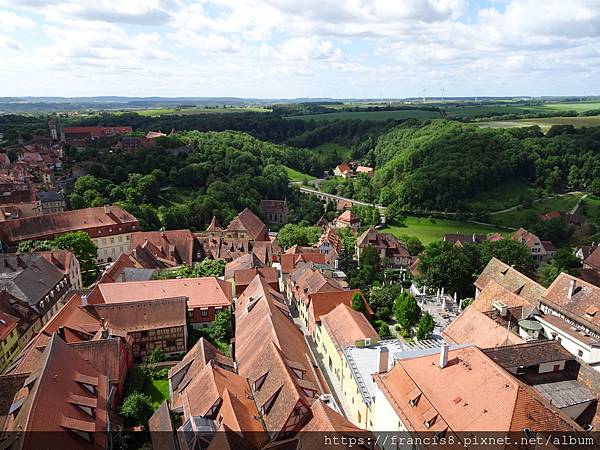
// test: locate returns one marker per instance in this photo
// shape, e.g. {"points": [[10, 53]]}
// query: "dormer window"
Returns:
{"points": [[258, 383], [413, 397], [269, 403], [430, 417]]}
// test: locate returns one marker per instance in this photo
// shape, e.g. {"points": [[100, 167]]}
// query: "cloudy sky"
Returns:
{"points": [[299, 48]]}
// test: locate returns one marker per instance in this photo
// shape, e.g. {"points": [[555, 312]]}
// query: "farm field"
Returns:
{"points": [[296, 176], [433, 229], [504, 196], [371, 115], [544, 123], [187, 111], [519, 216]]}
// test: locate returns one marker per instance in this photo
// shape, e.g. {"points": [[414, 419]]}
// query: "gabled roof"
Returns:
{"points": [[174, 245], [143, 315], [511, 279], [495, 292], [200, 292], [244, 277], [162, 431], [250, 223], [593, 260], [238, 413], [7, 324], [290, 260], [40, 227], [473, 327], [321, 303], [246, 261], [62, 259], [75, 323], [54, 400], [343, 168], [345, 326], [193, 362], [382, 241], [471, 393], [525, 237], [214, 225], [330, 236], [348, 217], [576, 299]]}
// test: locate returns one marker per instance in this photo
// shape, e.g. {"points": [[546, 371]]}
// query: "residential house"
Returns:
{"points": [[571, 315], [78, 134], [275, 211], [66, 261], [322, 303], [329, 244], [244, 262], [570, 219], [540, 250], [243, 278], [509, 278], [392, 251], [341, 327], [460, 390], [153, 323], [273, 356], [460, 239], [245, 226], [129, 268], [165, 249], [50, 202], [591, 266], [31, 289], [110, 228], [363, 359], [342, 170], [366, 170], [205, 297], [9, 339], [67, 397], [347, 220], [585, 251], [132, 144], [289, 261]]}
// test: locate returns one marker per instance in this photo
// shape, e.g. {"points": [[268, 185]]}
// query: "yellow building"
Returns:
{"points": [[344, 328], [9, 340]]}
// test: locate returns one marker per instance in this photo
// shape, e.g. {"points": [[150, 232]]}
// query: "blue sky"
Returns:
{"points": [[299, 48]]}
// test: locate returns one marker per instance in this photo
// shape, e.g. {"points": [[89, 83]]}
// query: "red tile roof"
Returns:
{"points": [[245, 277], [95, 221], [7, 324], [96, 132], [50, 404], [200, 292], [345, 326], [248, 222], [321, 303], [176, 246], [348, 217], [246, 261], [593, 260], [290, 260], [472, 393]]}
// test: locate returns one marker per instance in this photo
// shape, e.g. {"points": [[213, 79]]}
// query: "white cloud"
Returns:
{"points": [[10, 21]]}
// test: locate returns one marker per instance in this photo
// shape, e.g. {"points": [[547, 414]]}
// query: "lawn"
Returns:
{"points": [[591, 207], [156, 389], [505, 195], [371, 115], [342, 152], [296, 176], [520, 216], [430, 229]]}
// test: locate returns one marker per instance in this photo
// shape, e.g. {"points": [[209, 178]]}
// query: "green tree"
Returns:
{"points": [[594, 187], [384, 331], [156, 356], [406, 311], [381, 300], [348, 239], [34, 246], [358, 303], [425, 327], [369, 256], [220, 330], [443, 265], [292, 234], [414, 245], [137, 409], [80, 243], [508, 251]]}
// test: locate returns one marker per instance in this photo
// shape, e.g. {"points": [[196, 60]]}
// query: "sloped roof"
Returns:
{"points": [[321, 303], [200, 292], [162, 432], [289, 260], [345, 326], [246, 261], [584, 303], [250, 223], [244, 277], [62, 259], [331, 236], [143, 315], [39, 227], [529, 354], [495, 292], [348, 217], [7, 324], [473, 327], [525, 237], [471, 393], [343, 168], [511, 279], [593, 260], [239, 414], [50, 404], [176, 244]]}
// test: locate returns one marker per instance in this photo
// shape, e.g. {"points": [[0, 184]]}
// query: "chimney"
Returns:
{"points": [[336, 264], [571, 289], [84, 300], [384, 357], [444, 355], [106, 209]]}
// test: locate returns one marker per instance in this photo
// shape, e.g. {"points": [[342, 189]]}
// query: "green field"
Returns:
{"points": [[576, 106], [544, 123], [518, 217], [503, 196], [199, 110], [371, 115], [344, 153], [591, 207], [430, 229], [296, 176]]}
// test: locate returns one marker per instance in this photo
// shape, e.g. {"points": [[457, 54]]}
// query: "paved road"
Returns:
{"points": [[576, 207], [512, 208]]}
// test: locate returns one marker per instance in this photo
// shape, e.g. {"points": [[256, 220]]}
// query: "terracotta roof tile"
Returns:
{"points": [[346, 326], [473, 327], [250, 223], [510, 279]]}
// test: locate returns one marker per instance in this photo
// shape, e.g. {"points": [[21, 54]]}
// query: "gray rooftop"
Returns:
{"points": [[50, 196], [565, 393]]}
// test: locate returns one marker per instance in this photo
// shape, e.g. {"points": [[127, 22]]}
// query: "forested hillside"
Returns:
{"points": [[439, 164]]}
